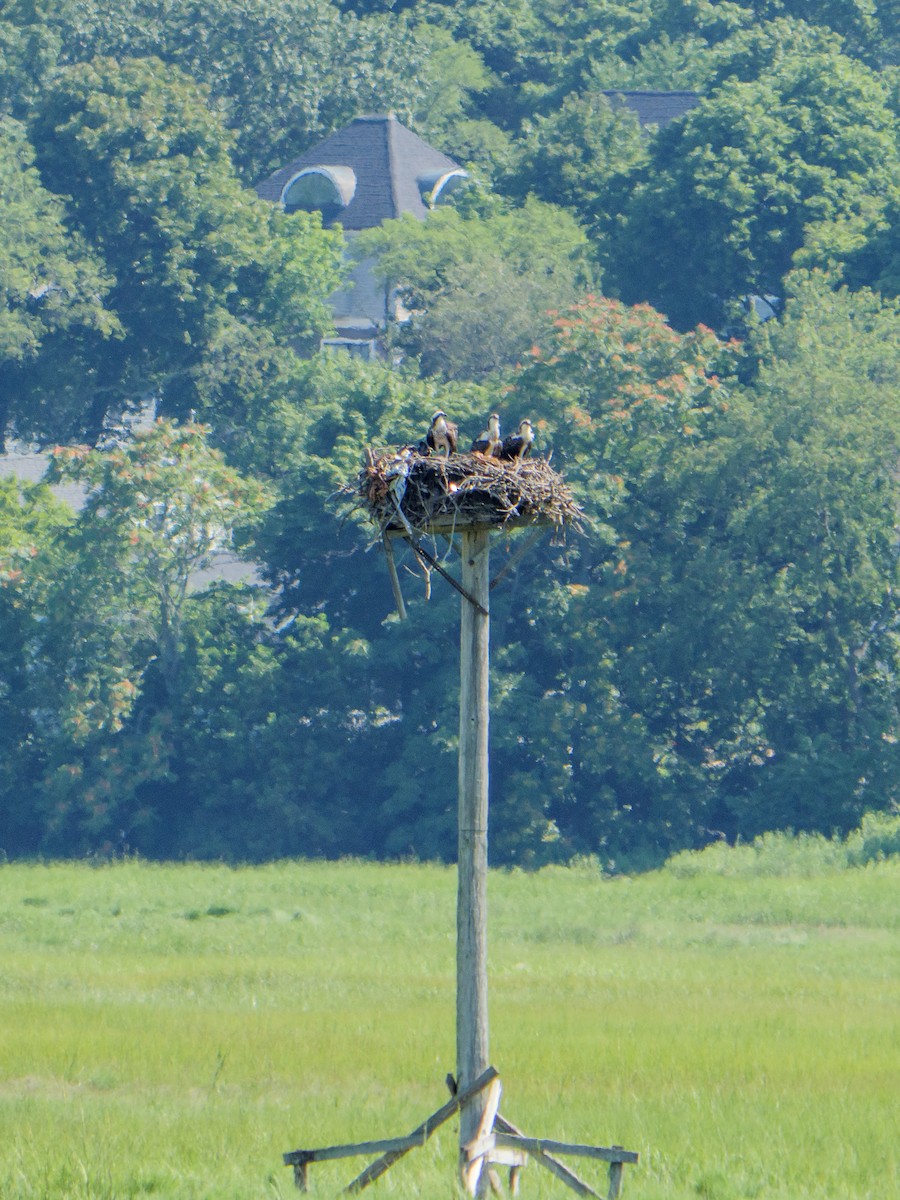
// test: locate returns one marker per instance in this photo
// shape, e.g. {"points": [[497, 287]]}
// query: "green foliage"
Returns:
{"points": [[735, 606], [763, 47], [287, 72], [575, 157], [198, 266], [447, 114], [380, 768], [269, 762], [280, 73], [540, 54], [29, 513], [877, 838], [50, 282], [872, 254], [814, 523], [770, 855], [792, 855], [863, 27], [628, 406], [30, 519], [666, 64], [311, 449], [717, 655], [481, 288], [739, 190], [158, 511], [102, 602]]}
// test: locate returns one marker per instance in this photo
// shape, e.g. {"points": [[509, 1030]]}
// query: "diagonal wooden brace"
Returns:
{"points": [[422, 1132]]}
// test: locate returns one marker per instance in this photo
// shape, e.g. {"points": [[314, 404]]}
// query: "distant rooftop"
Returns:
{"points": [[654, 108], [372, 170]]}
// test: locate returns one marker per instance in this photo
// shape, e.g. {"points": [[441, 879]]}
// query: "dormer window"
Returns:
{"points": [[436, 187], [326, 190]]}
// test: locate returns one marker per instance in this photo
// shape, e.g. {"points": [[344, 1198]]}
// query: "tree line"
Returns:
{"points": [[715, 656]]}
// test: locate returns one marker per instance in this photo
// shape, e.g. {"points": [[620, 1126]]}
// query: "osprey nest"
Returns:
{"points": [[414, 492]]}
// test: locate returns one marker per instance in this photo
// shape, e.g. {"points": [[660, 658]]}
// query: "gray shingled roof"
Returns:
{"points": [[389, 162], [654, 108]]}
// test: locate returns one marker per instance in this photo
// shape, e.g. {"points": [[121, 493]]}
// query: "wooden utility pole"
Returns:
{"points": [[486, 1139], [471, 905]]}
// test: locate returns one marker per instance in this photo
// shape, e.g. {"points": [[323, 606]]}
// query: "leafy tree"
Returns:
{"points": [[872, 254], [479, 287], [105, 602], [454, 78], [312, 453], [144, 714], [49, 281], [859, 24], [388, 731], [289, 71], [539, 58], [733, 193], [505, 35], [616, 741], [281, 73], [275, 736], [815, 541], [719, 652], [767, 46], [576, 157], [199, 267], [159, 509], [30, 519], [723, 655], [667, 64]]}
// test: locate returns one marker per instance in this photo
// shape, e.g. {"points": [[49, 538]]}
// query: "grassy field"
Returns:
{"points": [[168, 1031]]}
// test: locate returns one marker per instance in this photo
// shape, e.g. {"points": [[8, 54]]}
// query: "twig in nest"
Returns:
{"points": [[403, 490]]}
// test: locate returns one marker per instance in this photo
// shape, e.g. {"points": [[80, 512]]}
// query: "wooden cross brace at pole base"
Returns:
{"points": [[497, 1143], [486, 1139]]}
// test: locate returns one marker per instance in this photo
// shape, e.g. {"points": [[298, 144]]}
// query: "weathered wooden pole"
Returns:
{"points": [[471, 904]]}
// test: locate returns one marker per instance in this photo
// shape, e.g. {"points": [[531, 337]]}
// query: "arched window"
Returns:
{"points": [[327, 190], [436, 187]]}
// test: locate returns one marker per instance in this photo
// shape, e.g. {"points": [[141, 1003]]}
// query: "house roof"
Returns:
{"points": [[392, 168], [654, 108]]}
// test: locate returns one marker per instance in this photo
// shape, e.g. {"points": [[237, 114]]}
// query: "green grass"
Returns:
{"points": [[168, 1031]]}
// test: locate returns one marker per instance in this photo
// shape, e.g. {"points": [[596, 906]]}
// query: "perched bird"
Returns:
{"points": [[518, 444], [489, 441], [442, 436]]}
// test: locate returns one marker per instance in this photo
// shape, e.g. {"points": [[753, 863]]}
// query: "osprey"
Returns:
{"points": [[518, 444], [489, 441], [442, 436]]}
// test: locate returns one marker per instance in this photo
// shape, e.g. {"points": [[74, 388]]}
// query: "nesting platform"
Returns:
{"points": [[405, 491], [412, 495]]}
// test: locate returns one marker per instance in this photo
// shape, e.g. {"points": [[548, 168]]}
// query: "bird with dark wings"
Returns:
{"points": [[442, 436], [518, 445], [489, 441]]}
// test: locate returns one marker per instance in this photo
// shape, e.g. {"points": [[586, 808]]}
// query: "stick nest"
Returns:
{"points": [[463, 489]]}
